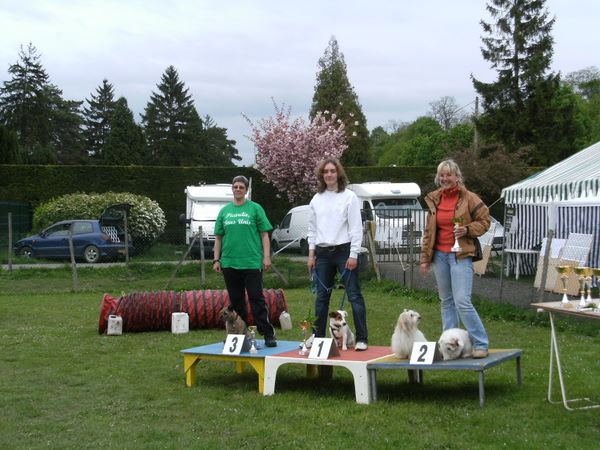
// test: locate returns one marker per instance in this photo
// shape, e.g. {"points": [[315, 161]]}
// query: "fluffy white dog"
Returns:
{"points": [[455, 343], [340, 331], [406, 333]]}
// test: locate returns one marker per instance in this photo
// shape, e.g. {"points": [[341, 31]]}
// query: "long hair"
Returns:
{"points": [[342, 179], [451, 166]]}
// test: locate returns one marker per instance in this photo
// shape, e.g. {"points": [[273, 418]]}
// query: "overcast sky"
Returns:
{"points": [[234, 55]]}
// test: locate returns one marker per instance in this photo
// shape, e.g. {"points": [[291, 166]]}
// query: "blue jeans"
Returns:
{"points": [[455, 283], [328, 263]]}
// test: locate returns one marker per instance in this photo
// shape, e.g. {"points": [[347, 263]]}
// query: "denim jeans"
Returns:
{"points": [[455, 283], [238, 281], [328, 263]]}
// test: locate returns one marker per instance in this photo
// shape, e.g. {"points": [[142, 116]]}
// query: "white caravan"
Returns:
{"points": [[394, 209], [203, 204]]}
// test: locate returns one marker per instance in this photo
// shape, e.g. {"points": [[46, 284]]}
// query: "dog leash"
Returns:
{"points": [[314, 279]]}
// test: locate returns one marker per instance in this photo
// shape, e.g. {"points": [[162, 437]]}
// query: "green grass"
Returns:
{"points": [[65, 386]]}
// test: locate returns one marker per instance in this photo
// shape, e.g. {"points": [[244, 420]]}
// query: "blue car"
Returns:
{"points": [[93, 240]]}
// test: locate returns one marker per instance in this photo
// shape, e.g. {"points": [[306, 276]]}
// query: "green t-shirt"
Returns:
{"points": [[240, 226]]}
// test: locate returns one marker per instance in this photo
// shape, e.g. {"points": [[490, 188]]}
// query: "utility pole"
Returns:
{"points": [[475, 134]]}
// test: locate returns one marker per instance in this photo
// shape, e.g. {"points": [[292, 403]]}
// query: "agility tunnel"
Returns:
{"points": [[151, 311]]}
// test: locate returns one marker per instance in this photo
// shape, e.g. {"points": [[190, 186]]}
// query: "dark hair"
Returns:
{"points": [[341, 175], [242, 179]]}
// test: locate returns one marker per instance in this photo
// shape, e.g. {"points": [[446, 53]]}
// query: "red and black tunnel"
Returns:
{"points": [[151, 311]]}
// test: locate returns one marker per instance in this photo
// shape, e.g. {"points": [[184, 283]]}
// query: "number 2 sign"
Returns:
{"points": [[423, 353]]}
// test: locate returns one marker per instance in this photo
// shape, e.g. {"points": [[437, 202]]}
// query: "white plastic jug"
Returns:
{"points": [[180, 323], [115, 326], [285, 320]]}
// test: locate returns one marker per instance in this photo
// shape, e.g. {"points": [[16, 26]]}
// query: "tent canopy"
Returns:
{"points": [[574, 177]]}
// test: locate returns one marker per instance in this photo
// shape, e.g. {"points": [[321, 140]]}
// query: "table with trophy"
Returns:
{"points": [[583, 306]]}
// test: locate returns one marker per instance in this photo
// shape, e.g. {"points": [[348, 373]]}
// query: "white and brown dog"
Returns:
{"points": [[234, 324], [406, 333], [340, 331], [455, 343]]}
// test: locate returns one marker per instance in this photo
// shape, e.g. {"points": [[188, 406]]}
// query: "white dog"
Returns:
{"points": [[340, 331], [455, 343], [406, 333]]}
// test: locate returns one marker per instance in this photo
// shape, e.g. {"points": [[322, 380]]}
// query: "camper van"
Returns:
{"points": [[203, 204], [394, 209], [292, 232]]}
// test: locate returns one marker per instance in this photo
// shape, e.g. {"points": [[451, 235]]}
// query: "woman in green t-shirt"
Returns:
{"points": [[241, 253]]}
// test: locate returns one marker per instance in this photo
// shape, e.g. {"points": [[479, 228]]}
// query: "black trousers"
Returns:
{"points": [[238, 281]]}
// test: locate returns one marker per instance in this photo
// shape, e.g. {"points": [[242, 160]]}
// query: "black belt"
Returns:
{"points": [[333, 248]]}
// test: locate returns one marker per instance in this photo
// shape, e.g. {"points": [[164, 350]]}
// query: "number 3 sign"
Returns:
{"points": [[423, 353], [235, 344]]}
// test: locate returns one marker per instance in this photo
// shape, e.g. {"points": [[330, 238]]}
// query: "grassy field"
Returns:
{"points": [[65, 386]]}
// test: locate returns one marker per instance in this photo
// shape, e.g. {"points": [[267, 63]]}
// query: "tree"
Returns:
{"points": [[26, 106], [171, 123], [447, 112], [97, 115], [125, 143], [289, 151], [519, 46], [585, 82], [48, 127], [335, 95], [10, 153], [219, 150]]}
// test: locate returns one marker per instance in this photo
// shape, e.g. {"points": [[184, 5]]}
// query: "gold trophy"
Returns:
{"points": [[564, 272], [456, 247], [252, 330], [305, 324], [588, 279], [582, 273], [596, 271]]}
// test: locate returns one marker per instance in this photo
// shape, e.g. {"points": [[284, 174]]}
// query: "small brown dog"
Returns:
{"points": [[233, 322]]}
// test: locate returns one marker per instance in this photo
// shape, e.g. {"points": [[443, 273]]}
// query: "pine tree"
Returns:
{"points": [[26, 106], [219, 150], [519, 46], [48, 127], [97, 116], [125, 143], [171, 122], [335, 95]]}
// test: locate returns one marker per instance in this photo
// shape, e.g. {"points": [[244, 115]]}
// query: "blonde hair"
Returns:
{"points": [[342, 179], [451, 166]]}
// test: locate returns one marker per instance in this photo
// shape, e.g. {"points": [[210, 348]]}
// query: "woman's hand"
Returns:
{"points": [[460, 232], [266, 262], [351, 263], [424, 269], [311, 263]]}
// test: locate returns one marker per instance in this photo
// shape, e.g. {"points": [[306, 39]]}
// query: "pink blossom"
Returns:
{"points": [[287, 151]]}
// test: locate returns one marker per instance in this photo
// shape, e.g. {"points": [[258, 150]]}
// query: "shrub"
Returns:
{"points": [[145, 224]]}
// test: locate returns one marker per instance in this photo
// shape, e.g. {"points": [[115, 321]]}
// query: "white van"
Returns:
{"points": [[292, 231], [394, 209], [203, 204]]}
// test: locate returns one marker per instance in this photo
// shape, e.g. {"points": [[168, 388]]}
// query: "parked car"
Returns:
{"points": [[93, 240]]}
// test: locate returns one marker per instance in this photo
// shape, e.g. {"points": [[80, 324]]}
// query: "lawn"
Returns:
{"points": [[65, 386]]}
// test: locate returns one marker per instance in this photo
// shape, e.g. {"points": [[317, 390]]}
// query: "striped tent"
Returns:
{"points": [[564, 198]]}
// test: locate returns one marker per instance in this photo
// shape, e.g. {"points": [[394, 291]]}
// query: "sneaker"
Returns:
{"points": [[270, 341], [480, 353], [361, 346]]}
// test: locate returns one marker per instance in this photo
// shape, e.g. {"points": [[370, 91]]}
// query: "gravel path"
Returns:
{"points": [[518, 293]]}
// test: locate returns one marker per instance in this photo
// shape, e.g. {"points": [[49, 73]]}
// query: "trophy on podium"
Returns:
{"points": [[305, 324], [252, 329], [456, 247], [564, 272]]}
